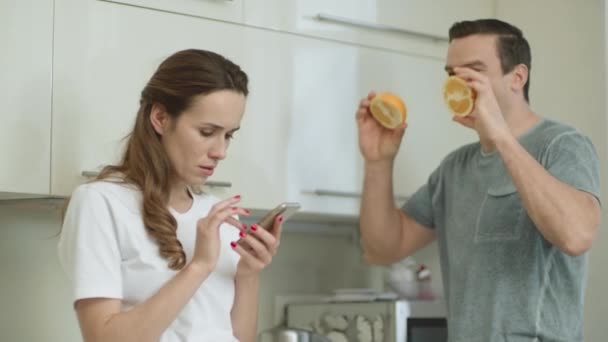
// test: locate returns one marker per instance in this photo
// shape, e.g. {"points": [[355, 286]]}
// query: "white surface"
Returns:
{"points": [[228, 10], [433, 17], [35, 296], [97, 88], [329, 80], [298, 133], [26, 38]]}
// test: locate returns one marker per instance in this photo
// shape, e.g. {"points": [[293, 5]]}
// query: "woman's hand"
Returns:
{"points": [[257, 247], [207, 247]]}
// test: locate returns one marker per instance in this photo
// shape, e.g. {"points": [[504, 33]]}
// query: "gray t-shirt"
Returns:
{"points": [[503, 280]]}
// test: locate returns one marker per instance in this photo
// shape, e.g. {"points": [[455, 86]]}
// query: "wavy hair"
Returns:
{"points": [[177, 81]]}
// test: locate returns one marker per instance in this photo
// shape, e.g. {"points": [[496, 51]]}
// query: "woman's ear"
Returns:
{"points": [[159, 118]]}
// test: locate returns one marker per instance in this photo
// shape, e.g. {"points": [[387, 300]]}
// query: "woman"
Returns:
{"points": [[150, 259]]}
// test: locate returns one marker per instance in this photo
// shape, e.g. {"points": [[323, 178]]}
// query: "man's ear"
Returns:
{"points": [[519, 77], [159, 118]]}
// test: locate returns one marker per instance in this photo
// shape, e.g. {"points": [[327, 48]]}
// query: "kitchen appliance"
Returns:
{"points": [[284, 334], [372, 321]]}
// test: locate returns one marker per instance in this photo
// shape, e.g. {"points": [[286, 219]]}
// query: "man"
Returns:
{"points": [[513, 213]]}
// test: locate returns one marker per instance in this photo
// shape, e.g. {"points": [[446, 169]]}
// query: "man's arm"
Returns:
{"points": [[388, 234], [567, 217]]}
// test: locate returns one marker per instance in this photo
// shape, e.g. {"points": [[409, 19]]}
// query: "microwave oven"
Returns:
{"points": [[374, 321]]}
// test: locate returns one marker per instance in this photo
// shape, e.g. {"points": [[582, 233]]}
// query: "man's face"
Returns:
{"points": [[478, 52]]}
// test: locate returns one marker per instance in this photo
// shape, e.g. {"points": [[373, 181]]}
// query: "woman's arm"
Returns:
{"points": [[245, 309], [101, 319], [257, 248]]}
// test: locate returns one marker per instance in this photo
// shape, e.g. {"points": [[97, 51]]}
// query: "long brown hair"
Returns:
{"points": [[178, 79]]}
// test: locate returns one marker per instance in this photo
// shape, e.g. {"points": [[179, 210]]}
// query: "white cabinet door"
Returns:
{"points": [[323, 152], [415, 26], [26, 37], [225, 10], [102, 63], [431, 17]]}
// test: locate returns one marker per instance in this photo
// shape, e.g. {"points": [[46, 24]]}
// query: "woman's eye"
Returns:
{"points": [[206, 133], [230, 136]]}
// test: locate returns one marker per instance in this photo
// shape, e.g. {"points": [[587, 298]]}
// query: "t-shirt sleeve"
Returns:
{"points": [[88, 247], [420, 205], [571, 158]]}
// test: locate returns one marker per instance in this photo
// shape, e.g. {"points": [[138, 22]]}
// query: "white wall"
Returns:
{"points": [[568, 41], [34, 293]]}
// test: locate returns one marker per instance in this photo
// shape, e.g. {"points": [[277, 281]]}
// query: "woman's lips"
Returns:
{"points": [[206, 170]]}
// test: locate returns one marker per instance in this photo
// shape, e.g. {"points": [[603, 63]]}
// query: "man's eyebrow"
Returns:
{"points": [[472, 64]]}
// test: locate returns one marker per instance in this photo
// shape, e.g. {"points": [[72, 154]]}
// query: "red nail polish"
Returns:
{"points": [[242, 234], [254, 227], [280, 218], [247, 211], [244, 226], [237, 197], [233, 244], [234, 208]]}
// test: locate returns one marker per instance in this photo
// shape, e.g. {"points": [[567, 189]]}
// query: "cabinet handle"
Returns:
{"points": [[90, 174], [218, 184], [348, 194], [377, 27], [213, 184]]}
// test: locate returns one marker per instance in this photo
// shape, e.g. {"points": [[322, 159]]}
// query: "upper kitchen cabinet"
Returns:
{"points": [[104, 55], [325, 168], [224, 10], [26, 37], [415, 26]]}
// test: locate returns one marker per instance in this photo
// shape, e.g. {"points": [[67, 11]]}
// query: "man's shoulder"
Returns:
{"points": [[551, 132], [551, 129]]}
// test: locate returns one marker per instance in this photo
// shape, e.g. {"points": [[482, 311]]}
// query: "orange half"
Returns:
{"points": [[388, 109], [458, 96]]}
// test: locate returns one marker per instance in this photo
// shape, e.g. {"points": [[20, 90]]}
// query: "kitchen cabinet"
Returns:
{"points": [[328, 79], [415, 26], [102, 62], [298, 140], [26, 38], [225, 10]]}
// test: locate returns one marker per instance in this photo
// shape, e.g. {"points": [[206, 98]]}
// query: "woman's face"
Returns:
{"points": [[198, 139]]}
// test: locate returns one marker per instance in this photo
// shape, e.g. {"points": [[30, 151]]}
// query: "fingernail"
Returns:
{"points": [[242, 234], [244, 226], [237, 197], [246, 211], [280, 218], [234, 208], [254, 227], [233, 244]]}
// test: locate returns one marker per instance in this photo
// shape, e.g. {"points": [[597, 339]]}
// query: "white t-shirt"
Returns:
{"points": [[107, 253]]}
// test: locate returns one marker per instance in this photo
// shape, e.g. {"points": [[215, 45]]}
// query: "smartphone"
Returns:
{"points": [[286, 209]]}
